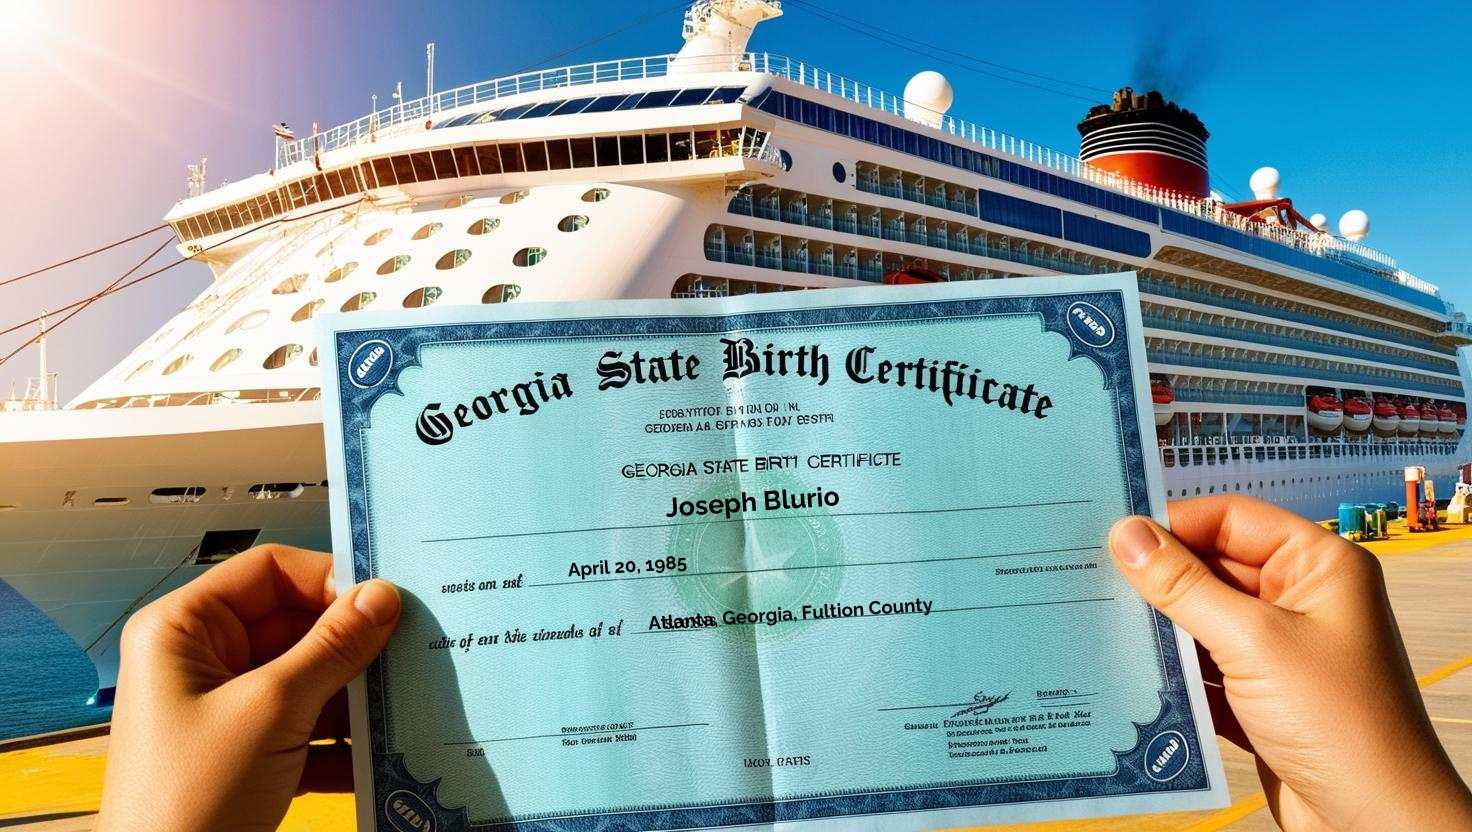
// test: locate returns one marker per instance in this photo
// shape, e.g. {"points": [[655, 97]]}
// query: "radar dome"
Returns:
{"points": [[1319, 221], [927, 97], [1354, 225], [1264, 183]]}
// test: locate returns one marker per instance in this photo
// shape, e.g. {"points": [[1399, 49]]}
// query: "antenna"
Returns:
{"points": [[44, 391], [197, 176], [429, 69]]}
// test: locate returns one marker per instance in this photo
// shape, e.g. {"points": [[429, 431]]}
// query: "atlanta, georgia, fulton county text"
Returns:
{"points": [[823, 560]]}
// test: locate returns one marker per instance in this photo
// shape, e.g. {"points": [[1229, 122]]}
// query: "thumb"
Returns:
{"points": [[1173, 580], [346, 638]]}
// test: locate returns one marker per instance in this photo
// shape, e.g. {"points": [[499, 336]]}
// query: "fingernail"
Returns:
{"points": [[1133, 541], [378, 601]]}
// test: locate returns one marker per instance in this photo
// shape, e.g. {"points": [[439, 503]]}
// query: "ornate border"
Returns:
{"points": [[393, 780]]}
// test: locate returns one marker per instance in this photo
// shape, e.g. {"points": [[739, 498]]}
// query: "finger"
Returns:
{"points": [[1173, 580], [342, 643], [276, 633], [1235, 528], [329, 768], [1222, 715], [264, 580]]}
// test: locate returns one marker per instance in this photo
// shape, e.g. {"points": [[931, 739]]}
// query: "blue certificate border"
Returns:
{"points": [[393, 784]]}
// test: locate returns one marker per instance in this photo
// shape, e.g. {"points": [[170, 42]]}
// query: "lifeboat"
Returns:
{"points": [[1387, 416], [1325, 413], [1430, 421], [1358, 413], [912, 276], [1461, 411], [1447, 419], [1410, 420], [1164, 400]]}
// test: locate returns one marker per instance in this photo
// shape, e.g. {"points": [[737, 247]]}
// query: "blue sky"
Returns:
{"points": [[1358, 106]]}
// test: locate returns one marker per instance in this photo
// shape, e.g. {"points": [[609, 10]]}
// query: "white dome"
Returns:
{"points": [[1264, 183], [927, 97], [1319, 221], [1354, 225]]}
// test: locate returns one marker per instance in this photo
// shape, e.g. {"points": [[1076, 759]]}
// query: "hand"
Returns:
{"points": [[223, 684], [1313, 676]]}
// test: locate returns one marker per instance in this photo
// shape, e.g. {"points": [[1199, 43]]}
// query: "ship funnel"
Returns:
{"points": [[1148, 139], [716, 34], [927, 97]]}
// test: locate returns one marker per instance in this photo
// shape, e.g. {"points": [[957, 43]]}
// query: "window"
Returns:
{"points": [[542, 109], [631, 149], [393, 264], [312, 359], [682, 149], [307, 310], [582, 153], [176, 494], [225, 358], [558, 155], [514, 196], [139, 370], [290, 285], [658, 98], [573, 222], [596, 195], [688, 97], [606, 150], [604, 103], [340, 272], [535, 154], [358, 301], [489, 159], [377, 237], [453, 259], [423, 167], [281, 356], [529, 256], [484, 225], [501, 293], [457, 201], [250, 320], [422, 296], [656, 148], [427, 231], [178, 364], [576, 105]]}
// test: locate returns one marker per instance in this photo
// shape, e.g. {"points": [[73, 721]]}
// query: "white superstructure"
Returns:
{"points": [[713, 171]]}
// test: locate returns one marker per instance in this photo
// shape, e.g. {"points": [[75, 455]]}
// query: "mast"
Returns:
{"points": [[716, 33], [43, 388]]}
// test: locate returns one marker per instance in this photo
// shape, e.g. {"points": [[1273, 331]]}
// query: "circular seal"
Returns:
{"points": [[370, 363], [1090, 325], [1166, 755], [407, 812], [766, 565]]}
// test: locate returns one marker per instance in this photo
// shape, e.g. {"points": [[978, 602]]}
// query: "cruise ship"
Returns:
{"points": [[1288, 362]]}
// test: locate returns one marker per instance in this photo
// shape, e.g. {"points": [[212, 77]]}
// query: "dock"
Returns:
{"points": [[54, 783]]}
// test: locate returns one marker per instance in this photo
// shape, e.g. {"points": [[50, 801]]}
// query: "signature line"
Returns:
{"points": [[583, 733]]}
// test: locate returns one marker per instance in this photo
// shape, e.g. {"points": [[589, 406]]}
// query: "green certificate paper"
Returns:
{"points": [[814, 560]]}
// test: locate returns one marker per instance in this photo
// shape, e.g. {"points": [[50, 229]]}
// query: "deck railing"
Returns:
{"points": [[412, 112]]}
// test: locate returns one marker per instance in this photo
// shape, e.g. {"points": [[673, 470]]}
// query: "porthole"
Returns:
{"points": [[423, 296], [250, 320], [324, 251], [457, 201], [785, 158], [840, 173], [484, 225], [340, 272], [358, 301], [427, 231], [177, 364], [312, 359], [596, 195], [308, 310], [139, 370], [281, 356], [225, 358], [290, 285], [453, 259], [393, 264], [501, 293], [377, 237], [573, 222], [529, 256], [515, 196]]}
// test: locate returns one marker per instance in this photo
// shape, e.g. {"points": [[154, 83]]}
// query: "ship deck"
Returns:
{"points": [[55, 785]]}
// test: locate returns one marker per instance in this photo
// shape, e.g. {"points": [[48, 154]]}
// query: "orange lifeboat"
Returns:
{"points": [[1164, 399], [911, 276], [1358, 413], [1410, 420], [1325, 413], [1387, 416], [1430, 419]]}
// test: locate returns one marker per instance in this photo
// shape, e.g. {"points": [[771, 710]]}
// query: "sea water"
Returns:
{"points": [[45, 678]]}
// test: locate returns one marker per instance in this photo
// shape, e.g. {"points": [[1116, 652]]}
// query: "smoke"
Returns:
{"points": [[1174, 52]]}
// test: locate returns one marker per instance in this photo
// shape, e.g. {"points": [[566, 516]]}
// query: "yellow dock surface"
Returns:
{"points": [[57, 787]]}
